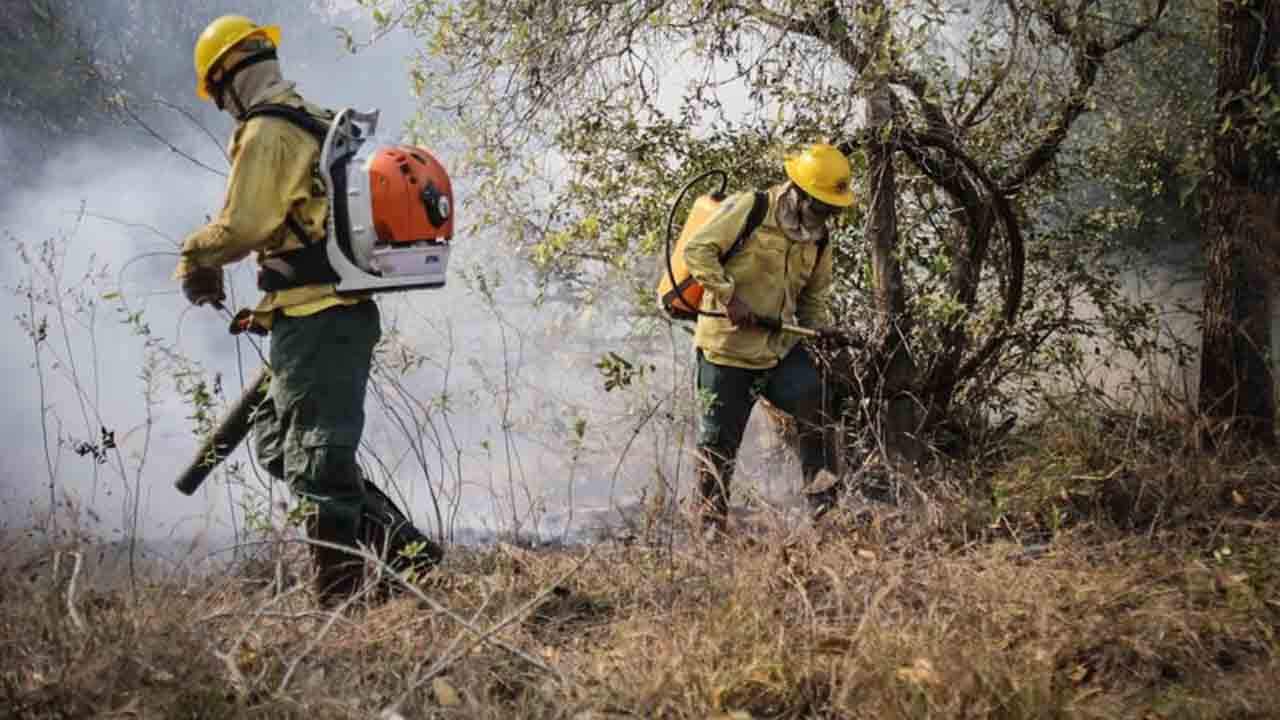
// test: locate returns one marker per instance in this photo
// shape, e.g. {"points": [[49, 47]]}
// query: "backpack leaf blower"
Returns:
{"points": [[679, 294], [391, 209]]}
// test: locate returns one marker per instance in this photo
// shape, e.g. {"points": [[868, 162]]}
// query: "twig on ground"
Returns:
{"points": [[483, 636], [873, 607], [451, 656], [303, 615], [71, 593], [228, 658], [418, 679], [237, 677], [324, 630]]}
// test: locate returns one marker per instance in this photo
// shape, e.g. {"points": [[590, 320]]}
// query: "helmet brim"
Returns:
{"points": [[270, 32], [842, 200], [838, 199]]}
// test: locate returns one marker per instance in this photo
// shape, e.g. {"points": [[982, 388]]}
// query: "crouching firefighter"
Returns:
{"points": [[278, 205], [763, 263]]}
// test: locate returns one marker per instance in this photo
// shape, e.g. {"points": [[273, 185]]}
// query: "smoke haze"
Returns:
{"points": [[519, 376]]}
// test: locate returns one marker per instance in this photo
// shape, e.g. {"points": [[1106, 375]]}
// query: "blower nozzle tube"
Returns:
{"points": [[226, 436]]}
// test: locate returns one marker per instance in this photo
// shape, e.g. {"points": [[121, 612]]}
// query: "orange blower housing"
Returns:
{"points": [[412, 196], [682, 298]]}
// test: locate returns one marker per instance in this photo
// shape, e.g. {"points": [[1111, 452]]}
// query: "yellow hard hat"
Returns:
{"points": [[217, 40], [823, 172]]}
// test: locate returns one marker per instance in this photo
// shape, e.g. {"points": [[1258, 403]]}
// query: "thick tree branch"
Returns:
{"points": [[977, 193], [964, 179], [1013, 235], [918, 85], [1072, 108], [945, 172]]}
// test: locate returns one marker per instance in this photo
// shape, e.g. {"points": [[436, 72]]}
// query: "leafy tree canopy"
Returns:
{"points": [[582, 118]]}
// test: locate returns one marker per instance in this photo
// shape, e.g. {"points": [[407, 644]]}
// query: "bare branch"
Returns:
{"points": [[1137, 31], [482, 636], [829, 28], [997, 79], [197, 124], [490, 635], [134, 226], [1088, 63], [124, 105], [334, 617]]}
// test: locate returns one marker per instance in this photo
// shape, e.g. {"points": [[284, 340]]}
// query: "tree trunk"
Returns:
{"points": [[899, 420], [882, 223], [1236, 381]]}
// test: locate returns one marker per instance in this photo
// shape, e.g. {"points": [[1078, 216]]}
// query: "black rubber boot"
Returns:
{"points": [[339, 572], [389, 533], [404, 548]]}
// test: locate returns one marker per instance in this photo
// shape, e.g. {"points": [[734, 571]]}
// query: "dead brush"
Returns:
{"points": [[1127, 471], [786, 622], [838, 626], [1165, 605], [119, 649]]}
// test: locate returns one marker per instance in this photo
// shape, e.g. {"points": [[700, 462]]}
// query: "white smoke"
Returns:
{"points": [[125, 210]]}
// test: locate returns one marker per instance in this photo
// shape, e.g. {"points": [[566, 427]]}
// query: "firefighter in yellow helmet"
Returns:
{"points": [[782, 271], [321, 343]]}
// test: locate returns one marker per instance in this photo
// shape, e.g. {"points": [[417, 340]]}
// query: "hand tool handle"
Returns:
{"points": [[777, 325]]}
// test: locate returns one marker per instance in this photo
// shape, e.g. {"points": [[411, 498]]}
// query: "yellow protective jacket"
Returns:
{"points": [[273, 175], [775, 276]]}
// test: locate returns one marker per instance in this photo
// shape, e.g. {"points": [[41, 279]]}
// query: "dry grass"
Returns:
{"points": [[1151, 592]]}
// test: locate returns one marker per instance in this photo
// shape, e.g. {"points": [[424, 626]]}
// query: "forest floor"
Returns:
{"points": [[1092, 569]]}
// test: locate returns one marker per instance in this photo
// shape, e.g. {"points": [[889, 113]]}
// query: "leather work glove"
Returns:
{"points": [[738, 312], [203, 286]]}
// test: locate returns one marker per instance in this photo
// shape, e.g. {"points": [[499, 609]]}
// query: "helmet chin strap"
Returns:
{"points": [[236, 106], [226, 85]]}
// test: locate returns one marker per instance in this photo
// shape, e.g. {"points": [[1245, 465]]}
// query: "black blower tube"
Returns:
{"points": [[227, 435]]}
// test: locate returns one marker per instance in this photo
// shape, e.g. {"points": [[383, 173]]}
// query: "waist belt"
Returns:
{"points": [[304, 266], [308, 265]]}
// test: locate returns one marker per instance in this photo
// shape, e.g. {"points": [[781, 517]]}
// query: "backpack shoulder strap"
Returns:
{"points": [[300, 118], [304, 120], [759, 208], [822, 247]]}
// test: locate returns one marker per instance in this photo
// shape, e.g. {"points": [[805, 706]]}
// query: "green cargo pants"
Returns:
{"points": [[309, 431], [793, 386]]}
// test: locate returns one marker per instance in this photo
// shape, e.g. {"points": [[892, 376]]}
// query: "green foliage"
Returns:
{"points": [[581, 120], [1148, 149], [618, 372]]}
